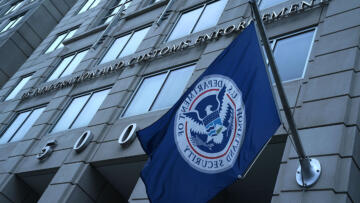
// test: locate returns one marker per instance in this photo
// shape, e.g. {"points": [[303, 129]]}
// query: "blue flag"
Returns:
{"points": [[215, 130]]}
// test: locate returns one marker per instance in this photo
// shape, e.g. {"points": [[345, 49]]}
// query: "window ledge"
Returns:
{"points": [[85, 34], [78, 130], [103, 27], [146, 9]]}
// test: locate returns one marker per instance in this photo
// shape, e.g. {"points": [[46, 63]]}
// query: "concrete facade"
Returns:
{"points": [[18, 43], [325, 101]]}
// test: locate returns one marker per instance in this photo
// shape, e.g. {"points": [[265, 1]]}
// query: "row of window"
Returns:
{"points": [[190, 22], [128, 44], [155, 92], [12, 22], [263, 4], [291, 53], [160, 90], [88, 4]]}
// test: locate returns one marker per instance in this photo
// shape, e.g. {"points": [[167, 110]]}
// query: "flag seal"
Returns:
{"points": [[210, 124]]}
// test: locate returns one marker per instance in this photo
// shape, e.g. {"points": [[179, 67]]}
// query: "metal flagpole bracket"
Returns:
{"points": [[309, 169], [309, 174]]}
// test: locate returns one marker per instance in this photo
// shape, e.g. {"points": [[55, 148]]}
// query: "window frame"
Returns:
{"points": [[260, 1], [14, 20], [182, 12], [109, 14], [15, 116], [83, 4], [131, 33], [152, 2], [75, 53], [57, 36], [274, 40], [18, 82], [90, 93], [167, 72], [14, 7]]}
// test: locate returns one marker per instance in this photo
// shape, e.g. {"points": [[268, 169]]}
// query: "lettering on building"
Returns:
{"points": [[172, 49]]}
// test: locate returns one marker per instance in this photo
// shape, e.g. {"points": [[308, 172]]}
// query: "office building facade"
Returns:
{"points": [[112, 67], [23, 25]]}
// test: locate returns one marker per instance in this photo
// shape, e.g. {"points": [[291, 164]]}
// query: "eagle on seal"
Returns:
{"points": [[211, 121]]}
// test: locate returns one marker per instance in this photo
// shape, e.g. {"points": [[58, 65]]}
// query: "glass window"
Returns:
{"points": [[264, 4], [90, 109], [210, 15], [60, 38], [125, 45], [114, 10], [67, 65], [199, 19], [169, 93], [153, 1], [80, 111], [89, 5], [291, 54], [14, 7], [11, 23], [159, 91], [21, 125], [18, 87]]}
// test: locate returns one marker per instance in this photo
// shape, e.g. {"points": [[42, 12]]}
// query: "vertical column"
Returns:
{"points": [[138, 194], [12, 189], [329, 113], [79, 182]]}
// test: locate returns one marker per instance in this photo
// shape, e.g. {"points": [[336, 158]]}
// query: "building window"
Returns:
{"points": [[14, 7], [18, 87], [264, 4], [114, 10], [125, 45], [11, 23], [198, 19], [21, 125], [60, 38], [89, 5], [68, 65], [80, 111], [159, 91], [153, 1], [292, 54]]}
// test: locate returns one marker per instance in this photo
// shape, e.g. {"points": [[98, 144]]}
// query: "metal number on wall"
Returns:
{"points": [[46, 150], [128, 134], [83, 141]]}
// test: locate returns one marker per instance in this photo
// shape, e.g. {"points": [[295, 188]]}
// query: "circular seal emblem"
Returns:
{"points": [[210, 125]]}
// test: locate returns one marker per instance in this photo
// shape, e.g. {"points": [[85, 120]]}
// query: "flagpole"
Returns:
{"points": [[310, 169]]}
